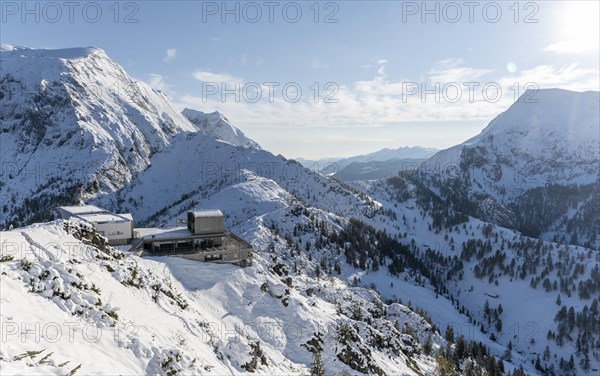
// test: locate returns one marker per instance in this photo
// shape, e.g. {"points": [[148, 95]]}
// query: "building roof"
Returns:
{"points": [[127, 215], [207, 213], [82, 209], [103, 217]]}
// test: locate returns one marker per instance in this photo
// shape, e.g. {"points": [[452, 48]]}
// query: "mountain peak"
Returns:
{"points": [[215, 124], [550, 113], [548, 125], [61, 53]]}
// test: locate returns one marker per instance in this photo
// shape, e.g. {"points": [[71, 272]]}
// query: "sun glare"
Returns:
{"points": [[579, 28]]}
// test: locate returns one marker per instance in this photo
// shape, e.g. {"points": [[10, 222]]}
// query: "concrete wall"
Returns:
{"points": [[116, 232], [208, 225], [63, 213]]}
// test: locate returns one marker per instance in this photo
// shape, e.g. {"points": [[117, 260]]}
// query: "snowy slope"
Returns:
{"points": [[506, 269], [195, 168], [105, 312], [216, 125]]}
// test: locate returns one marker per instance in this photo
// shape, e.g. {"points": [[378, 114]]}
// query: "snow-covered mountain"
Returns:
{"points": [[401, 153], [554, 140], [218, 126], [74, 125], [406, 152], [534, 168], [371, 272], [77, 128], [197, 168], [377, 165], [141, 155], [372, 170]]}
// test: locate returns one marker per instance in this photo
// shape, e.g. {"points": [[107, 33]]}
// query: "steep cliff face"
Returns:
{"points": [[74, 125]]}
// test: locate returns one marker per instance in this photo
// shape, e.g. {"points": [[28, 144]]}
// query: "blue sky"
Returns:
{"points": [[374, 63]]}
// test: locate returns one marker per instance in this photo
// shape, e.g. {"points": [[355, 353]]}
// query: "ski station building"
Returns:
{"points": [[201, 236], [117, 228]]}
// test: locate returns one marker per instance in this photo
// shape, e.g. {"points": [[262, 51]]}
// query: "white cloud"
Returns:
{"points": [[158, 82], [382, 102], [570, 77], [380, 105], [374, 62], [450, 62], [170, 54], [453, 71], [219, 78]]}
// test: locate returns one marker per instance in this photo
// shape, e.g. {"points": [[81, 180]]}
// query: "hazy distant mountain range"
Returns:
{"points": [[376, 165]]}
